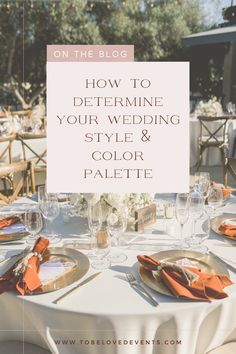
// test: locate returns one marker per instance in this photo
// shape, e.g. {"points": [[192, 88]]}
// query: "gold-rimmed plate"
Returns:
{"points": [[79, 267], [226, 218], [14, 232], [205, 262]]}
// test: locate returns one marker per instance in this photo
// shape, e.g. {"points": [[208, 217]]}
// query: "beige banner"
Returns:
{"points": [[90, 53]]}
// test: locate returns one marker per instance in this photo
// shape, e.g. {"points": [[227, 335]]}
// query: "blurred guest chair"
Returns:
{"points": [[6, 153], [213, 133], [16, 177]]}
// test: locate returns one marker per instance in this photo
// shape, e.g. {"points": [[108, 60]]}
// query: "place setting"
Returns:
{"points": [[42, 269], [43, 266], [167, 271]]}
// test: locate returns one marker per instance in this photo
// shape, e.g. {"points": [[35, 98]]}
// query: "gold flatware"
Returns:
{"points": [[134, 282], [87, 280]]}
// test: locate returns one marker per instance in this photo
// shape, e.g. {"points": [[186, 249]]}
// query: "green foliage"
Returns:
{"points": [[155, 27]]}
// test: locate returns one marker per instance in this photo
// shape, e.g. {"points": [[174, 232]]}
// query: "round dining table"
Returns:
{"points": [[109, 316]]}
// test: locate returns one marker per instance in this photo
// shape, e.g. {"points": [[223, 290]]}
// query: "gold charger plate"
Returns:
{"points": [[218, 220], [77, 272], [205, 262], [11, 237]]}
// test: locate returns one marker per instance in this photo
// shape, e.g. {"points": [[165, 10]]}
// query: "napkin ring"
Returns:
{"points": [[189, 276], [23, 264]]}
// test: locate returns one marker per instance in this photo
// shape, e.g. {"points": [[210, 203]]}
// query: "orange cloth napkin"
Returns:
{"points": [[206, 287], [9, 221], [29, 280], [228, 230], [225, 190]]}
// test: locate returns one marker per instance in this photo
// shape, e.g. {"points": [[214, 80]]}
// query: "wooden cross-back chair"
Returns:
{"points": [[16, 176], [39, 159], [213, 133], [229, 168], [5, 154]]}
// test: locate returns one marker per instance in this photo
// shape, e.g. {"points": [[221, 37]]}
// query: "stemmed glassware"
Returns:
{"points": [[197, 203], [100, 239], [42, 193], [117, 223], [182, 214], [202, 231], [33, 222], [215, 198], [202, 183], [49, 206]]}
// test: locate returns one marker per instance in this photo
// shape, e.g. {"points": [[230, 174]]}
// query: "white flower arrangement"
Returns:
{"points": [[211, 108], [128, 202]]}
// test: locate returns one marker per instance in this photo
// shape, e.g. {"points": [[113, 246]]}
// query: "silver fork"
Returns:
{"points": [[134, 282]]}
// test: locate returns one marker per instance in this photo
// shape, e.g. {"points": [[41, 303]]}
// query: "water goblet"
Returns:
{"points": [[215, 198], [33, 222], [202, 183], [100, 239], [42, 193], [49, 206], [117, 223], [182, 215], [197, 203], [202, 232]]}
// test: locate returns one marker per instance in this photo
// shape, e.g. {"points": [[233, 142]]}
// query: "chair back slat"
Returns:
{"points": [[213, 129], [7, 174]]}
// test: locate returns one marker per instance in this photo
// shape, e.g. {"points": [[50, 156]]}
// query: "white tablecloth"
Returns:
{"points": [[212, 156], [108, 316]]}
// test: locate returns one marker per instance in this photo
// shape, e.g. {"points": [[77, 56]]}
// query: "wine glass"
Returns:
{"points": [[196, 209], [33, 222], [50, 209], [94, 218], [42, 193], [215, 198], [202, 183], [100, 238], [117, 223], [182, 215], [202, 232]]}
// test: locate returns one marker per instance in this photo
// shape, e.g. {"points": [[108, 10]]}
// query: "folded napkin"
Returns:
{"points": [[228, 230], [188, 282], [9, 221], [23, 275], [225, 190]]}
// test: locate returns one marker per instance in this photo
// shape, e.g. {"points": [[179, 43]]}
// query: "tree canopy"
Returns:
{"points": [[155, 27]]}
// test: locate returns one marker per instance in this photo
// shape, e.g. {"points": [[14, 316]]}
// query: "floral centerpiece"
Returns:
{"points": [[111, 201], [210, 108]]}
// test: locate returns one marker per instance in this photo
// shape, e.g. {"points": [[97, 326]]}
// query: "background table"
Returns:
{"points": [[108, 309]]}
